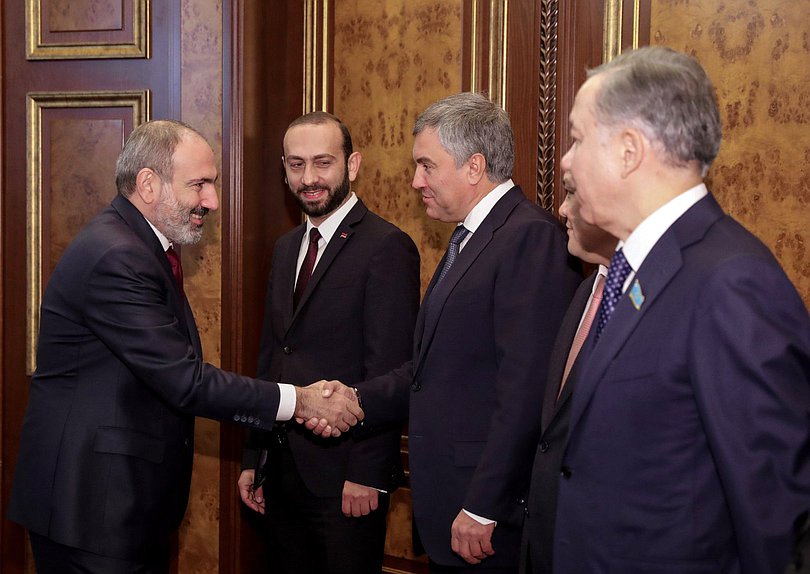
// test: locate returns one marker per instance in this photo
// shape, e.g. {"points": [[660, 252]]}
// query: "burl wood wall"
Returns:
{"points": [[757, 53]]}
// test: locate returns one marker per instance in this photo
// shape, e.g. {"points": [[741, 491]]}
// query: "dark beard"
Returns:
{"points": [[336, 197]]}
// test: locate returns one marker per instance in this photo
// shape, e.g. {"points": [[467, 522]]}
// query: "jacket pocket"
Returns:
{"points": [[129, 442]]}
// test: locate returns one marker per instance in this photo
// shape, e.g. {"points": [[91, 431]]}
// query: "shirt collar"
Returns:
{"points": [[644, 237], [328, 227], [164, 241], [482, 208]]}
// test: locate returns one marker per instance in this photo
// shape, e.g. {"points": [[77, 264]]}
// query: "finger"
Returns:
{"points": [[346, 506], [335, 433]]}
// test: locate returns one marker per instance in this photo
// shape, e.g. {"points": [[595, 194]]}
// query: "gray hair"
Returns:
{"points": [[150, 145], [468, 123], [668, 96]]}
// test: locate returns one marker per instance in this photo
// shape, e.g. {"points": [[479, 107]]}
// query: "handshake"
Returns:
{"points": [[327, 408]]}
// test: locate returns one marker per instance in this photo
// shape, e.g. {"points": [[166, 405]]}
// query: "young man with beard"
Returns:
{"points": [[341, 303], [104, 469]]}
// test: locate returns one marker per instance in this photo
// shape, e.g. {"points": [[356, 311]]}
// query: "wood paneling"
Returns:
{"points": [[262, 94], [75, 188], [72, 29]]}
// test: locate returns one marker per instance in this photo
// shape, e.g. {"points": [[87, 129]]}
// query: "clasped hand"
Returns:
{"points": [[328, 408]]}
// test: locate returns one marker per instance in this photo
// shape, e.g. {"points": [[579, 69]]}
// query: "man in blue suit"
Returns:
{"points": [[474, 385], [689, 431]]}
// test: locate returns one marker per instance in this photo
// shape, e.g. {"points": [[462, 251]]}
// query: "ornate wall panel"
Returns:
{"points": [[74, 29], [201, 107], [757, 53], [73, 142], [391, 60]]}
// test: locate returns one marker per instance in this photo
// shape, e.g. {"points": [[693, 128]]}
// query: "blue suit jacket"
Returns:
{"points": [[688, 449], [481, 350]]}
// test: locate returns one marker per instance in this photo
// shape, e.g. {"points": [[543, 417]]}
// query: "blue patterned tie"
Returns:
{"points": [[459, 233], [617, 274]]}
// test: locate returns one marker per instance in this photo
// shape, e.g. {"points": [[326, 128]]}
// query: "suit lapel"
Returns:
{"points": [[437, 295], [287, 277], [137, 222], [559, 355], [341, 237], [658, 269]]}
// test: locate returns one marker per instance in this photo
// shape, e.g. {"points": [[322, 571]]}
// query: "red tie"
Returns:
{"points": [[177, 268], [307, 266], [582, 332]]}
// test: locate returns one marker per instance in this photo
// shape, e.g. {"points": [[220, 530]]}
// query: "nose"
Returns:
{"points": [[565, 162], [564, 207], [309, 176], [209, 197], [418, 181]]}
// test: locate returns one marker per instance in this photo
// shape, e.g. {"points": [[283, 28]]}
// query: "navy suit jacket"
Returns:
{"points": [[688, 440], [475, 383], [108, 436], [541, 503], [355, 321]]}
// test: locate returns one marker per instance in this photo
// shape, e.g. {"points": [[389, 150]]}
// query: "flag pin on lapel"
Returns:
{"points": [[343, 235], [636, 295]]}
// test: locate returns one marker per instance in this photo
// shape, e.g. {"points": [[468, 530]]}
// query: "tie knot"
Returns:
{"points": [[459, 233], [314, 235]]}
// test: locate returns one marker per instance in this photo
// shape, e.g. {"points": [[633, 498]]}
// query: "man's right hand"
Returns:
{"points": [[332, 404], [253, 499]]}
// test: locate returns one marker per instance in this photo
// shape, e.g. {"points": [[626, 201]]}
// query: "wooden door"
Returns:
{"points": [[77, 77]]}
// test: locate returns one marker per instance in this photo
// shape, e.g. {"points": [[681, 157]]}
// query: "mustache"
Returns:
{"points": [[304, 188], [201, 211]]}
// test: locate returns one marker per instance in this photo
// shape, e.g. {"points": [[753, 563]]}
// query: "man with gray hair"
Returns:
{"points": [[689, 432], [482, 343], [106, 448]]}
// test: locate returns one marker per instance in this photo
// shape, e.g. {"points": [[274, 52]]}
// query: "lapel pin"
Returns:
{"points": [[343, 235], [636, 295]]}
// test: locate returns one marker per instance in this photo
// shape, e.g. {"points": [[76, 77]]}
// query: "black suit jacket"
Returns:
{"points": [[354, 321], [107, 442], [475, 383], [541, 507]]}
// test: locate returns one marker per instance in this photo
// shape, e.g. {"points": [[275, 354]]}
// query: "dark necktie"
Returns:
{"points": [[177, 267], [617, 274], [582, 332], [307, 266], [459, 233]]}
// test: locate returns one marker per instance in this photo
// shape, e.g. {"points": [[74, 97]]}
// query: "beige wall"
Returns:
{"points": [[757, 52], [201, 107], [393, 59]]}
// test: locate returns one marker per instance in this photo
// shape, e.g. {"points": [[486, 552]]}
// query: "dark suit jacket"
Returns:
{"points": [[481, 350], [538, 526], [107, 443], [354, 321], [688, 439]]}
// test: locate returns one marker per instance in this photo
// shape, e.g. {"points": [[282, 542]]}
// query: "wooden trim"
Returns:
{"points": [[138, 102], [79, 45]]}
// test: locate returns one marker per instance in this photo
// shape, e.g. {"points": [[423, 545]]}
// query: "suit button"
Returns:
{"points": [[250, 420], [543, 446], [416, 387], [236, 418], [287, 350], [243, 419], [185, 442], [526, 511], [565, 472]]}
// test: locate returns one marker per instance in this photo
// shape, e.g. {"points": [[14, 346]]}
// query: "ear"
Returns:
{"points": [[633, 150], [477, 168], [147, 185], [354, 165]]}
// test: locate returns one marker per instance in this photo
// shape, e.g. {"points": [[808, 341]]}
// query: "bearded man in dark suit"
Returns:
{"points": [[104, 469]]}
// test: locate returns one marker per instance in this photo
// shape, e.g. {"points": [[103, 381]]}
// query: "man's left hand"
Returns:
{"points": [[470, 539], [358, 500]]}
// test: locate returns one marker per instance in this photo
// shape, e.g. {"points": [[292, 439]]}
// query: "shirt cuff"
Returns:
{"points": [[286, 402], [479, 519]]}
